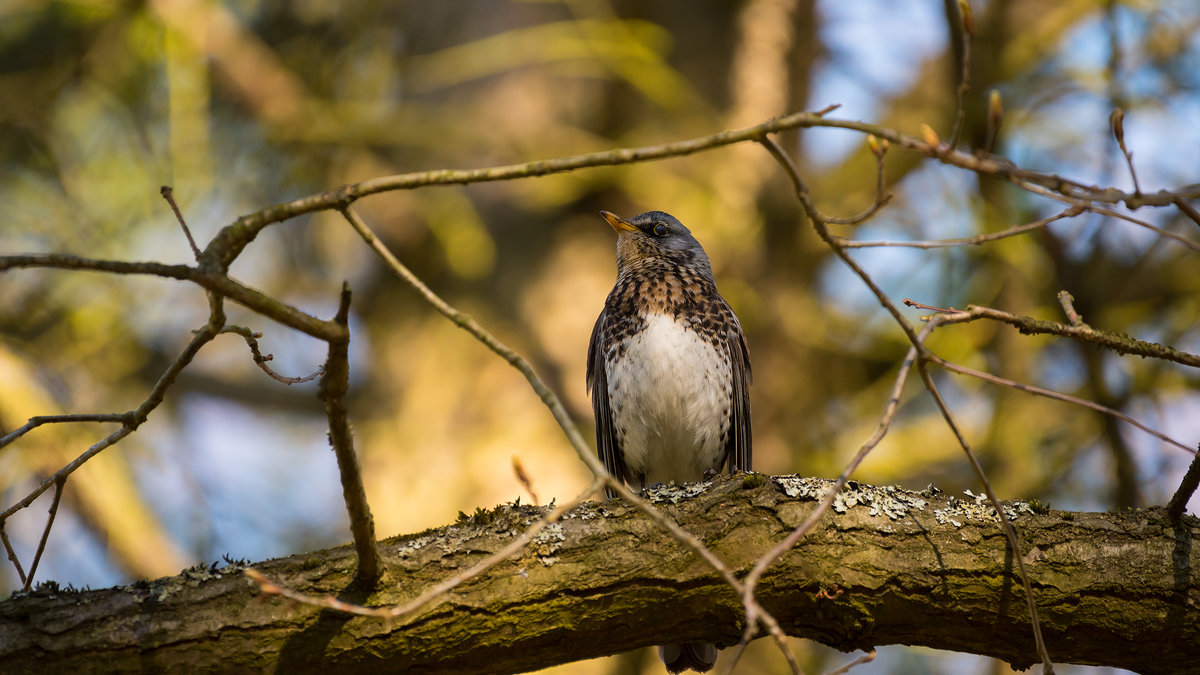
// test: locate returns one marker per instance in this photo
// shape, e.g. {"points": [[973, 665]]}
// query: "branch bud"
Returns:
{"points": [[878, 146], [968, 17], [1117, 121], [995, 111], [930, 136]]}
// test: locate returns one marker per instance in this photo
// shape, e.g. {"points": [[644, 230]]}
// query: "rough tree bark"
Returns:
{"points": [[886, 566]]}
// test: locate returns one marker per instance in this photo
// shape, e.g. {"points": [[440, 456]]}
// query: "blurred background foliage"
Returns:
{"points": [[245, 103]]}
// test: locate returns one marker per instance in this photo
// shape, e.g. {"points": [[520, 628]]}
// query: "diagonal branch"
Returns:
{"points": [[465, 322], [921, 352], [1187, 488], [133, 419], [1005, 523], [41, 547], [1057, 396]]}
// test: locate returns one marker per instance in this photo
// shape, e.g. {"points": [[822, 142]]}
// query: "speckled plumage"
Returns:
{"points": [[668, 368], [668, 372]]}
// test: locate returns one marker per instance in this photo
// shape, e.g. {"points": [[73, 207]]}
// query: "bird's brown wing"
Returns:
{"points": [[607, 444], [738, 448]]}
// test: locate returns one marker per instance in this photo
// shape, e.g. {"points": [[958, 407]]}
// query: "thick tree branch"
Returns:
{"points": [[1115, 589]]}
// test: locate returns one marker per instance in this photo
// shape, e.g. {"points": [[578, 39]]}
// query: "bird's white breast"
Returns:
{"points": [[670, 392]]}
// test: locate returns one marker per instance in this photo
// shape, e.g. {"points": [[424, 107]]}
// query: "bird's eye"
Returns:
{"points": [[660, 229]]}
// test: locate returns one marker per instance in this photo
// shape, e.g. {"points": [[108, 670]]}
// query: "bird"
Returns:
{"points": [[668, 372]]}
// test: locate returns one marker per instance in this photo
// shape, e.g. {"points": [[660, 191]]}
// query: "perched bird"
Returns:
{"points": [[668, 373]]}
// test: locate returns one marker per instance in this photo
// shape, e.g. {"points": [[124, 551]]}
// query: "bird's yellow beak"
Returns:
{"points": [[617, 222]]}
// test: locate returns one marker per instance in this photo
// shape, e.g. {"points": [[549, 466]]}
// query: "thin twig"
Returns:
{"points": [[882, 197], [966, 26], [691, 541], [41, 547], [39, 420], [1105, 211], [390, 614], [464, 321], [169, 195], [909, 302], [138, 416], [885, 421], [999, 167], [1187, 209], [260, 360], [1006, 524], [12, 554], [1117, 122], [1013, 231], [1058, 396], [818, 223], [1162, 232], [335, 384]]}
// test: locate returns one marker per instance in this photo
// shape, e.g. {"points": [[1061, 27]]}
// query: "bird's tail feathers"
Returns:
{"points": [[698, 656]]}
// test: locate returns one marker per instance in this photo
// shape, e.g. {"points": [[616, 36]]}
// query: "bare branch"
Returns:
{"points": [[169, 194], [1013, 231], [965, 27], [260, 360], [1006, 524], [882, 197], [39, 420], [1117, 342], [1106, 211], [469, 324], [1187, 209], [136, 417], [214, 281], [335, 383], [230, 240], [1117, 121], [41, 547], [918, 353], [819, 225], [1058, 396], [12, 554], [1187, 488]]}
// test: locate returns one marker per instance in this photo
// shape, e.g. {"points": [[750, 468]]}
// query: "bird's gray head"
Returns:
{"points": [[656, 236]]}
